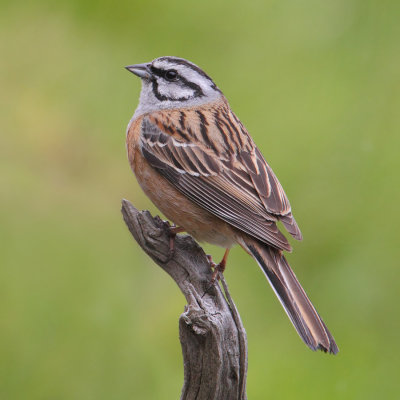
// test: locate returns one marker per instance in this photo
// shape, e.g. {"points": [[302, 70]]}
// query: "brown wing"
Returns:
{"points": [[270, 190], [220, 185]]}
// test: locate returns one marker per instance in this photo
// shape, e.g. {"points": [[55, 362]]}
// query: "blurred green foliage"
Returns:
{"points": [[84, 313]]}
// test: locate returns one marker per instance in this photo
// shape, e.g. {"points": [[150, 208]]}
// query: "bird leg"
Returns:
{"points": [[218, 268], [173, 230]]}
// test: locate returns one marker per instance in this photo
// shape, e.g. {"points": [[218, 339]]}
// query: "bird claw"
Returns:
{"points": [[210, 261], [172, 231], [217, 269]]}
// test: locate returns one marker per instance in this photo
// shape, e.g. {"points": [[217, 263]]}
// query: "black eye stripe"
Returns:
{"points": [[155, 71], [168, 74], [158, 72]]}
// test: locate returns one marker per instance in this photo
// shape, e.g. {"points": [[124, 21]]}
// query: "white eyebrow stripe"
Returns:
{"points": [[186, 71]]}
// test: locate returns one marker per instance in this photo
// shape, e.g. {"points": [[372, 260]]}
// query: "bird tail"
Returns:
{"points": [[292, 296]]}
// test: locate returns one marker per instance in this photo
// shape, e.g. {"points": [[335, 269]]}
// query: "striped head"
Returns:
{"points": [[172, 82]]}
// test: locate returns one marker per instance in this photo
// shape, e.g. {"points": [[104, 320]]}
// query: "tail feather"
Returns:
{"points": [[293, 298]]}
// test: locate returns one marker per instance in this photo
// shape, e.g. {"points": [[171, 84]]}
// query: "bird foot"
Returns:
{"points": [[217, 268], [172, 230]]}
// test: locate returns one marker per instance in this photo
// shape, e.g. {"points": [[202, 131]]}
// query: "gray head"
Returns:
{"points": [[172, 82]]}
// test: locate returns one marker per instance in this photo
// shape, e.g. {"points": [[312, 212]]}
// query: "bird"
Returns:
{"points": [[198, 164]]}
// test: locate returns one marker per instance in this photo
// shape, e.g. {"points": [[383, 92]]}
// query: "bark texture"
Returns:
{"points": [[211, 333]]}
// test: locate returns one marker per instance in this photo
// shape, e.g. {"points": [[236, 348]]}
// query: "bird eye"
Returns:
{"points": [[171, 75]]}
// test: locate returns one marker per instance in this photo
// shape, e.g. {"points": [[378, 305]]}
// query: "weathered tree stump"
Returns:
{"points": [[212, 336]]}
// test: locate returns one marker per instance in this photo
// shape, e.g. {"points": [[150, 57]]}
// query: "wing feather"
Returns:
{"points": [[218, 186]]}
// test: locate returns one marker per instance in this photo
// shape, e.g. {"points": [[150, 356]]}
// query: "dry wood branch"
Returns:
{"points": [[212, 336]]}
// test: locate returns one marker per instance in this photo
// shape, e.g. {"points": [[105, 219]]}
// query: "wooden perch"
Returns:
{"points": [[212, 336]]}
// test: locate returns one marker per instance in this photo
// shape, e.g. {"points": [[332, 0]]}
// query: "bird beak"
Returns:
{"points": [[140, 70]]}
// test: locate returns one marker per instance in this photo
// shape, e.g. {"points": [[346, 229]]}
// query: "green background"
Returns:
{"points": [[84, 314]]}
